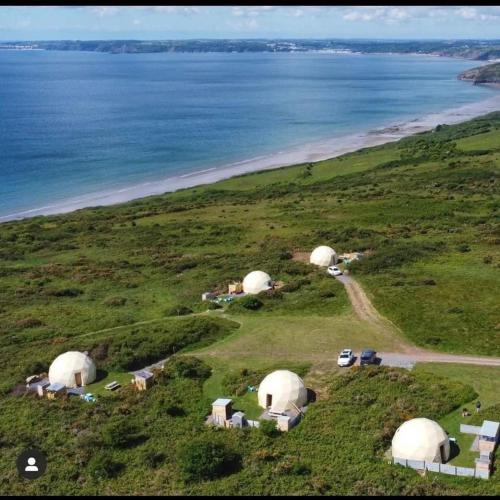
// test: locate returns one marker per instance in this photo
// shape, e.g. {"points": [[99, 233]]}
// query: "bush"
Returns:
{"points": [[64, 292], [29, 323], [214, 305], [200, 459], [119, 433], [115, 301], [178, 311], [187, 367], [325, 290], [293, 286], [252, 303], [153, 459], [236, 382], [102, 466], [268, 428], [463, 248]]}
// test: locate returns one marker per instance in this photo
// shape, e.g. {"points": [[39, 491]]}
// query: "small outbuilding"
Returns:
{"points": [[488, 436], [55, 390], [222, 411], [282, 390], [72, 369], [208, 296], [256, 282], [421, 439], [235, 287], [143, 380], [323, 256]]}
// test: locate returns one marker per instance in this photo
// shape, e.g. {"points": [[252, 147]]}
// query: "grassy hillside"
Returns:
{"points": [[133, 443], [112, 280]]}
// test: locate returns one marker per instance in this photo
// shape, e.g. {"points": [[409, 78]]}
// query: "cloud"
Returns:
{"points": [[385, 14], [478, 14], [254, 11], [105, 11], [396, 15], [172, 9]]}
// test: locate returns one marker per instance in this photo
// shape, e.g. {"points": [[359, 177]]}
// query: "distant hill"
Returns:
{"points": [[483, 50], [482, 74]]}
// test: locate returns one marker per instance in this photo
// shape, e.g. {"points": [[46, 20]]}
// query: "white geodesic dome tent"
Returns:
{"points": [[72, 369], [281, 390], [323, 256], [256, 282], [421, 439]]}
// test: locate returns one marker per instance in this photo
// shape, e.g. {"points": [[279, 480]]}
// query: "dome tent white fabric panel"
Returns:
{"points": [[323, 256], [256, 282], [281, 390], [72, 369], [421, 439]]}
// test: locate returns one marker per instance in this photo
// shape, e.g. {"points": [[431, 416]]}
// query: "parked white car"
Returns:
{"points": [[346, 358], [334, 271]]}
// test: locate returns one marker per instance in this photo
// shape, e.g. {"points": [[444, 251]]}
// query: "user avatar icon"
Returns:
{"points": [[31, 463], [31, 467]]}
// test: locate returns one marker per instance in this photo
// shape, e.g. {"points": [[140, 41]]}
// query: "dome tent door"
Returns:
{"points": [[269, 400], [78, 379]]}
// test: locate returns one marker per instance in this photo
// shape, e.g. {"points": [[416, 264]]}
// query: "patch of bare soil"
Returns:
{"points": [[300, 256]]}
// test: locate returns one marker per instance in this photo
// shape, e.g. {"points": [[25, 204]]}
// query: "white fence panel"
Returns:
{"points": [[416, 464], [448, 469], [465, 471], [469, 429], [432, 466]]}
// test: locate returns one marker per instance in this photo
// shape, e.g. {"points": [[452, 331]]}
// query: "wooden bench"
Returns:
{"points": [[112, 386]]}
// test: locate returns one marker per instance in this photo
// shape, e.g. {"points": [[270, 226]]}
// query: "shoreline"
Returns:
{"points": [[306, 153]]}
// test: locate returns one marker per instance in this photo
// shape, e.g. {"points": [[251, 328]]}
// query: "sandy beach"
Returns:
{"points": [[310, 152]]}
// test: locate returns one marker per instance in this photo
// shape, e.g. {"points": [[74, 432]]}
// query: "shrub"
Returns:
{"points": [[175, 411], [102, 466], [200, 459], [29, 323], [236, 382], [268, 428], [187, 367], [325, 290], [153, 459], [214, 305], [178, 311], [293, 286], [119, 433], [463, 248], [115, 301], [64, 292], [249, 302]]}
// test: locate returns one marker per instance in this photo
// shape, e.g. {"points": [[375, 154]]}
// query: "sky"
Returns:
{"points": [[177, 22]]}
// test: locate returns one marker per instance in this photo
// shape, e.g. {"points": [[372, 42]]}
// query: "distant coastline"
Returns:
{"points": [[310, 152]]}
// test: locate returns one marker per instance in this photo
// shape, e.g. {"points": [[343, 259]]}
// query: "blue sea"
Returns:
{"points": [[74, 123]]}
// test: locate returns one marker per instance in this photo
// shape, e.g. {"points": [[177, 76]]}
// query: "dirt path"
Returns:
{"points": [[408, 354]]}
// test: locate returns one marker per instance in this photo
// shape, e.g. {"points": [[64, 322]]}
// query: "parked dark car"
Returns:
{"points": [[368, 357]]}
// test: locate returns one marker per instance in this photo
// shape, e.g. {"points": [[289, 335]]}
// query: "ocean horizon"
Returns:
{"points": [[83, 129]]}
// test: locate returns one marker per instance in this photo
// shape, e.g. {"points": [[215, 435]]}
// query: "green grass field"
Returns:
{"points": [[111, 280]]}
